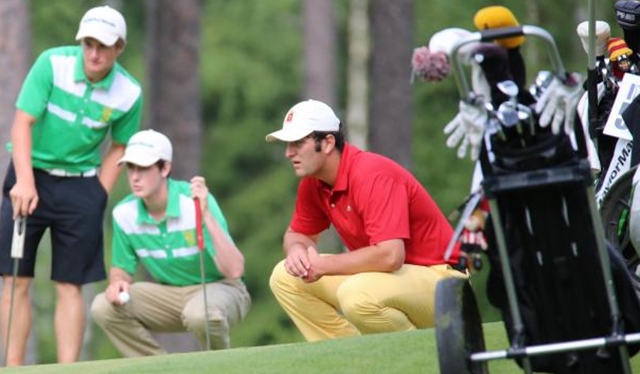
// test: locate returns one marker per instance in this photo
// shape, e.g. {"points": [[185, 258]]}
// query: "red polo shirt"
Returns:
{"points": [[375, 199]]}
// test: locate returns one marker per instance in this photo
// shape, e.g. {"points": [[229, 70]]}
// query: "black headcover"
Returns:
{"points": [[628, 17], [628, 14]]}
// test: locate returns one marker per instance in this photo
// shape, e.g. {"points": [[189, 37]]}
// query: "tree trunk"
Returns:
{"points": [[173, 89], [391, 111], [15, 61], [534, 56], [172, 97], [320, 51], [358, 73]]}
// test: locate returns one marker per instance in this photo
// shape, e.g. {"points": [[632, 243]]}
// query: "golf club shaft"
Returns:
{"points": [[13, 292], [592, 84], [17, 252], [206, 303], [200, 238]]}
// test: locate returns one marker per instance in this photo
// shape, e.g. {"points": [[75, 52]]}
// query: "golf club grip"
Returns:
{"points": [[17, 242], [503, 32], [199, 234]]}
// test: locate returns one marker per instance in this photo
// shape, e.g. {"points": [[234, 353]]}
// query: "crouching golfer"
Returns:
{"points": [[394, 232], [156, 226]]}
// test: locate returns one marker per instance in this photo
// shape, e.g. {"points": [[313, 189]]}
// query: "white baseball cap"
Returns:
{"points": [[104, 24], [303, 119], [147, 147]]}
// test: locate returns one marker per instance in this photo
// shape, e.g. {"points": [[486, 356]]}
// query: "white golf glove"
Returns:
{"points": [[558, 103], [467, 129]]}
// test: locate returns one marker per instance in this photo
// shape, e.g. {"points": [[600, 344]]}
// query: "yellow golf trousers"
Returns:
{"points": [[364, 303]]}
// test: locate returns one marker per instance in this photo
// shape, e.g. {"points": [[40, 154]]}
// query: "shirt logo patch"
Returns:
{"points": [[106, 114], [190, 238]]}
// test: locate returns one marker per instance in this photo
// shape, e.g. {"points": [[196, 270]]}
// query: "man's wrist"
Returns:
{"points": [[296, 246]]}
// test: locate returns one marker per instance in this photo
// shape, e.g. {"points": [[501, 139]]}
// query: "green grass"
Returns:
{"points": [[406, 353]]}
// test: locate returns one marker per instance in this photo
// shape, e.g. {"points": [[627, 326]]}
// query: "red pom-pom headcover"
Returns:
{"points": [[430, 66], [432, 63]]}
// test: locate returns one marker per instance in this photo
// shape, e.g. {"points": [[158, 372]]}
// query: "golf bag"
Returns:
{"points": [[543, 212]]}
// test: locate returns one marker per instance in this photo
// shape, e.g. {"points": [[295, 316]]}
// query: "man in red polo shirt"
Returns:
{"points": [[394, 232]]}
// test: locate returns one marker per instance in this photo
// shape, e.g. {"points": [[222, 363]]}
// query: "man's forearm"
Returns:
{"points": [[228, 258], [293, 240], [119, 275], [110, 171], [22, 145]]}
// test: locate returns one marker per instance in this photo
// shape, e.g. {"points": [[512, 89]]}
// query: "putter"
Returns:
{"points": [[200, 237], [17, 252]]}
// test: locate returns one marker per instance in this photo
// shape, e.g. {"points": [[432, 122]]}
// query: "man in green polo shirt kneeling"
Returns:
{"points": [[156, 226]]}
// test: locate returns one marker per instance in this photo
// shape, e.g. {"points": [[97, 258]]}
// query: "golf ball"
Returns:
{"points": [[124, 297]]}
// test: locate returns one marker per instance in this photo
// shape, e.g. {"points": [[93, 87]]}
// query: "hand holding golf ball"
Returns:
{"points": [[124, 297]]}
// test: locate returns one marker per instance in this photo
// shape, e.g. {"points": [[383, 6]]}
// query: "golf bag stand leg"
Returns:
{"points": [[518, 325]]}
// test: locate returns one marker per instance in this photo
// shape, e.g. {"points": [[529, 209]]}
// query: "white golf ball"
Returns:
{"points": [[124, 297]]}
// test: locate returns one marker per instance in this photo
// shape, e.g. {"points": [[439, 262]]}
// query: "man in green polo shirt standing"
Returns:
{"points": [[71, 99], [155, 226]]}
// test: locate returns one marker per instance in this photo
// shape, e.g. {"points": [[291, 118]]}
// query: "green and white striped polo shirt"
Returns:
{"points": [[73, 115], [167, 249]]}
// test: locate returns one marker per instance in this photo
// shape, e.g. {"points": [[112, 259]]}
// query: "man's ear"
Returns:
{"points": [[166, 170], [120, 44], [329, 143]]}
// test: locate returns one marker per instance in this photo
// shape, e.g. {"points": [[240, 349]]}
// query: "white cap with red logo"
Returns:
{"points": [[303, 119]]}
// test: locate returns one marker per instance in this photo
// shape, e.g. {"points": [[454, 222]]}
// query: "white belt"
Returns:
{"points": [[63, 173]]}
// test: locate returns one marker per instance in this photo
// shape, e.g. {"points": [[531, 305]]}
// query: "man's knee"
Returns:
{"points": [[102, 309], [68, 290], [354, 301], [194, 319], [278, 277], [22, 285]]}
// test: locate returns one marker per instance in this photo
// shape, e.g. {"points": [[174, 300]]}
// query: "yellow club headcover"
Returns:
{"points": [[497, 16]]}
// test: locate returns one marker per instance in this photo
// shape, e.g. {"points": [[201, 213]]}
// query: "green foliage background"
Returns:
{"points": [[251, 73]]}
